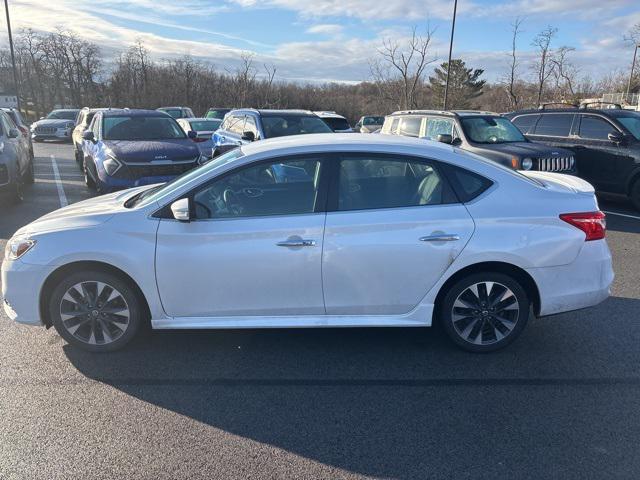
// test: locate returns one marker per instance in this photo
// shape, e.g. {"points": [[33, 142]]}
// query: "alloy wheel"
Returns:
{"points": [[94, 312], [485, 313]]}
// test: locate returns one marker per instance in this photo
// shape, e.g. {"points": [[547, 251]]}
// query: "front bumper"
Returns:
{"points": [[583, 283], [58, 134], [21, 287]]}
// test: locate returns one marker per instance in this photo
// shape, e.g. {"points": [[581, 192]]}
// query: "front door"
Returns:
{"points": [[253, 248], [396, 227]]}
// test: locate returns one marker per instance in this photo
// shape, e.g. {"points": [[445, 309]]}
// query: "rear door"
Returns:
{"points": [[393, 229]]}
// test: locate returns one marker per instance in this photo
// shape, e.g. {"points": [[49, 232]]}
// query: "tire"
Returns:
{"points": [[29, 175], [634, 194], [16, 193], [88, 181], [78, 157], [38, 140], [95, 311], [482, 329]]}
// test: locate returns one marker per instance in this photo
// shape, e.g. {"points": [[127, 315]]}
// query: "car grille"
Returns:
{"points": [[4, 175], [135, 172], [46, 130], [555, 164]]}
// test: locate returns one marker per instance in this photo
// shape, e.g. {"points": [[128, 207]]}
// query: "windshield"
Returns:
{"points": [[373, 121], [217, 113], [631, 123], [491, 130], [63, 115], [141, 128], [281, 126], [336, 123], [205, 125], [174, 112], [158, 191]]}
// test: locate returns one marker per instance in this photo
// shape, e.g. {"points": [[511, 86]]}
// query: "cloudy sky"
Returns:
{"points": [[332, 40]]}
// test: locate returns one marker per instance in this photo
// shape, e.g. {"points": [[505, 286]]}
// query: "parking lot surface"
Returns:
{"points": [[561, 402]]}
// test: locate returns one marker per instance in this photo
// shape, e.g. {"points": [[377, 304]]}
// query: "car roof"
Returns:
{"points": [[269, 112], [65, 110], [133, 113], [169, 108], [200, 119], [326, 114], [603, 111], [447, 113]]}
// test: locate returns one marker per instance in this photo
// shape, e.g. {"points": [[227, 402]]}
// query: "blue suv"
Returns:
{"points": [[128, 148], [246, 125]]}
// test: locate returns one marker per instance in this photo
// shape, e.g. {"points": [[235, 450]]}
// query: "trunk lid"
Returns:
{"points": [[559, 182]]}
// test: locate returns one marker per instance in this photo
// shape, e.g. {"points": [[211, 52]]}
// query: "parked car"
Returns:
{"points": [[177, 112], [605, 143], [369, 124], [336, 122], [127, 148], [16, 161], [57, 125], [217, 113], [85, 117], [339, 230], [15, 115], [244, 126], [488, 134], [204, 128]]}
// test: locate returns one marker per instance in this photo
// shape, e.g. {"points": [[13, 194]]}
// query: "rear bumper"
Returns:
{"points": [[583, 283], [21, 286]]}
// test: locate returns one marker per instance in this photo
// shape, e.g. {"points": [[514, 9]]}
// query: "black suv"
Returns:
{"points": [[605, 143], [488, 134]]}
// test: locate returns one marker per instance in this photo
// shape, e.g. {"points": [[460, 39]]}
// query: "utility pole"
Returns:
{"points": [[453, 28], [633, 66], [13, 56]]}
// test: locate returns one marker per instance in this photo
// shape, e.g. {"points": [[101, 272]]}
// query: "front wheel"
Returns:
{"points": [[29, 175], [95, 311], [485, 311]]}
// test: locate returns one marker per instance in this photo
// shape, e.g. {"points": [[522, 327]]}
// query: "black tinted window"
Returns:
{"points": [[595, 127], [467, 185], [367, 183], [278, 188], [410, 126], [525, 123], [555, 124], [336, 123]]}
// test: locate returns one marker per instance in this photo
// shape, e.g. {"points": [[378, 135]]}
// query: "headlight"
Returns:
{"points": [[526, 164], [17, 247], [111, 165], [70, 124]]}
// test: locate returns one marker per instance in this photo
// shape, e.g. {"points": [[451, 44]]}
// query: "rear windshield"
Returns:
{"points": [[491, 130], [281, 126], [217, 113], [337, 123], [141, 128], [373, 121], [205, 125], [174, 112]]}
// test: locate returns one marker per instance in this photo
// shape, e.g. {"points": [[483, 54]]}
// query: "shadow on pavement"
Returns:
{"points": [[386, 402]]}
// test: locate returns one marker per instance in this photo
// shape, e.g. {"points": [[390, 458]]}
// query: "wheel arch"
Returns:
{"points": [[633, 178], [518, 273], [64, 270]]}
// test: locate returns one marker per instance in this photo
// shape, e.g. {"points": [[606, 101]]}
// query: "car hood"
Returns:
{"points": [[180, 149], [525, 149], [83, 214], [52, 122]]}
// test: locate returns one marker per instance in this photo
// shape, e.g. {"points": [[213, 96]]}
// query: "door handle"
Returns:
{"points": [[297, 243], [441, 237]]}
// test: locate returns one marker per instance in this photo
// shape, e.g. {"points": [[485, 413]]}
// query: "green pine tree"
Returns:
{"points": [[464, 86]]}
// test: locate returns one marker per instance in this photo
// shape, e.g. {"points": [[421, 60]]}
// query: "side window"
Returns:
{"points": [[526, 123], [393, 127], [410, 126], [555, 124], [467, 185], [95, 126], [286, 187], [250, 126], [236, 124], [88, 118], [438, 126], [595, 128], [374, 182], [3, 127], [7, 122]]}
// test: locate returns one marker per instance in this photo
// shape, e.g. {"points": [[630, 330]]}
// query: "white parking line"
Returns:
{"points": [[621, 214], [56, 175]]}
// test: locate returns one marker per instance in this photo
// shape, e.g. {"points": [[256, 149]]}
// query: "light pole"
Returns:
{"points": [[633, 66], [453, 28], [13, 56]]}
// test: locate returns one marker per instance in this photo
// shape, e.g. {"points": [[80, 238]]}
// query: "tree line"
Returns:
{"points": [[61, 69]]}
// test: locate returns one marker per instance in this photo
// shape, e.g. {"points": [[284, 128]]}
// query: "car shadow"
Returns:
{"points": [[383, 402]]}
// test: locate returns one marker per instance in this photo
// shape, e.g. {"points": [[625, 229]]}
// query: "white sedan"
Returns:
{"points": [[330, 230]]}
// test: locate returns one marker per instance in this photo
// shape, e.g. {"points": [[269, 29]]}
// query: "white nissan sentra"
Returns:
{"points": [[327, 230]]}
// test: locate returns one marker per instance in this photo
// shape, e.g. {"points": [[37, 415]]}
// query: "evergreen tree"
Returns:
{"points": [[464, 86]]}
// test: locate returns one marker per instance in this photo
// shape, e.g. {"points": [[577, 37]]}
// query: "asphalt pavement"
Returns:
{"points": [[562, 402]]}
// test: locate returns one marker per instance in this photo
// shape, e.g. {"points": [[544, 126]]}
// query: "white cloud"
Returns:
{"points": [[326, 29]]}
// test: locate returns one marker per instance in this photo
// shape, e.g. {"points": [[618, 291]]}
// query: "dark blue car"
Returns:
{"points": [[128, 148]]}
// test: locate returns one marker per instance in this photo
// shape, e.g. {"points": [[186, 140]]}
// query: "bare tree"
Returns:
{"points": [[543, 66], [514, 64], [565, 73]]}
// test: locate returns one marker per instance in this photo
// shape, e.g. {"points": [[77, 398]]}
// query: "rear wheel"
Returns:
{"points": [[96, 311], [16, 192], [485, 311], [88, 181], [634, 194], [29, 175]]}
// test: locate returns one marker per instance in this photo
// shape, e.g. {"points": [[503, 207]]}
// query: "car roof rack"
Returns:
{"points": [[543, 106], [612, 105]]}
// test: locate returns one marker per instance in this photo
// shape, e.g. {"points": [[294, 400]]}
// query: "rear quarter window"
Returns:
{"points": [[466, 184]]}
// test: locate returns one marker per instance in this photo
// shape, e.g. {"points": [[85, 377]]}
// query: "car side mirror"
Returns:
{"points": [[444, 138], [192, 134], [180, 210], [616, 137], [249, 136], [13, 133], [88, 135]]}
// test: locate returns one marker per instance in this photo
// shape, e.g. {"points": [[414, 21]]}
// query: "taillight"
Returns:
{"points": [[593, 224]]}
